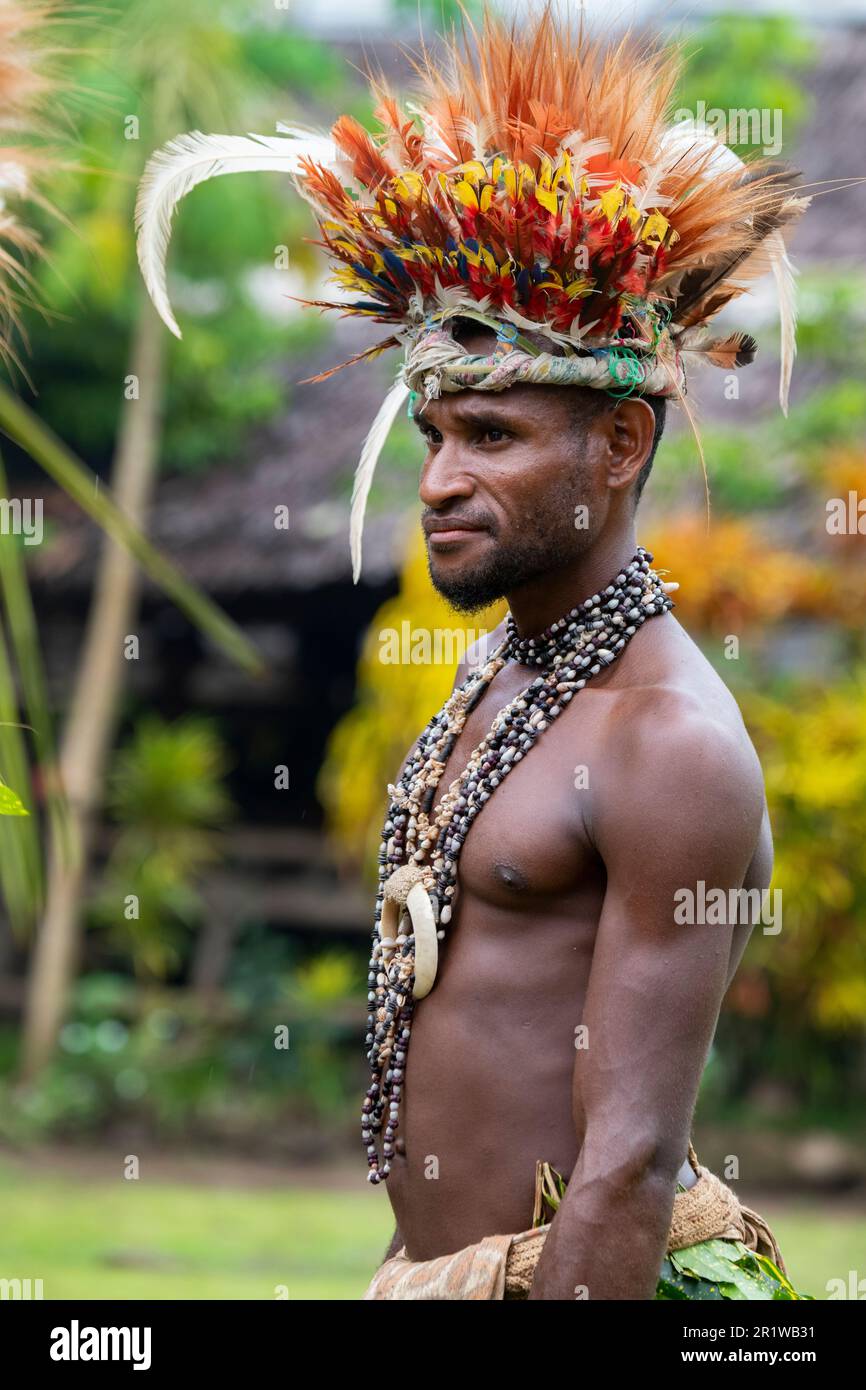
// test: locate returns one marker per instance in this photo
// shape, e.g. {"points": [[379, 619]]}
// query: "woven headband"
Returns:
{"points": [[436, 362]]}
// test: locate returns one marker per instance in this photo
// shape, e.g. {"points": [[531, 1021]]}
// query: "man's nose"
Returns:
{"points": [[445, 476]]}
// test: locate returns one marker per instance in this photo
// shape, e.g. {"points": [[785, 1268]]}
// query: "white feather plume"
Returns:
{"points": [[783, 272], [373, 444], [191, 159]]}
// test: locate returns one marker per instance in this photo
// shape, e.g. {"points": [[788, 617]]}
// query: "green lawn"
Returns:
{"points": [[139, 1239], [98, 1238], [819, 1243]]}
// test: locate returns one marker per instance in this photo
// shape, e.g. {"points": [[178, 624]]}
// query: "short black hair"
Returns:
{"points": [[589, 402], [659, 407]]}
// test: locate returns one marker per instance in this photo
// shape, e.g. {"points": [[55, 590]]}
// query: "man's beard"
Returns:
{"points": [[529, 557]]}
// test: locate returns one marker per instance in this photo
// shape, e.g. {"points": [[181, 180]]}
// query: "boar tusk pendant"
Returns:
{"points": [[405, 895]]}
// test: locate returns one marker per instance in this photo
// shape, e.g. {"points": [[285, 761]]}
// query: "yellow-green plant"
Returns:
{"points": [[812, 744]]}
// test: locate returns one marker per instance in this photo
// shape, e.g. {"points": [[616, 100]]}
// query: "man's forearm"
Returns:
{"points": [[609, 1236]]}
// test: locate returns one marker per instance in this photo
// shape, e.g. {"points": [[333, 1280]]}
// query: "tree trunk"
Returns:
{"points": [[92, 715]]}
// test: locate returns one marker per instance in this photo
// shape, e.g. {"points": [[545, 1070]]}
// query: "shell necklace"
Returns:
{"points": [[419, 852]]}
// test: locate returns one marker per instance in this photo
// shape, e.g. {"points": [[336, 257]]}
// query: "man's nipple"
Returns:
{"points": [[509, 877]]}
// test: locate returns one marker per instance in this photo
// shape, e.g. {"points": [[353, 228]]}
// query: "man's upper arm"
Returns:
{"points": [[686, 805]]}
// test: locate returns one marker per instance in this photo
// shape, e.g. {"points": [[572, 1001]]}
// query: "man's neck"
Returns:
{"points": [[542, 601]]}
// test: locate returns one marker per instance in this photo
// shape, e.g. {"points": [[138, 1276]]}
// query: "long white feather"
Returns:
{"points": [[191, 159], [373, 444], [784, 272]]}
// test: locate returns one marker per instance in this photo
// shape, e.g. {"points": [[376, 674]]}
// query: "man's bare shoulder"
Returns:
{"points": [[672, 737], [666, 683]]}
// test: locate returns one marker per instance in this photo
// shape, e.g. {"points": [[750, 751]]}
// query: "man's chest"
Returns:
{"points": [[529, 842]]}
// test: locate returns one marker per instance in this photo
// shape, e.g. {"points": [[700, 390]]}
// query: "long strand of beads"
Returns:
{"points": [[390, 988], [567, 654]]}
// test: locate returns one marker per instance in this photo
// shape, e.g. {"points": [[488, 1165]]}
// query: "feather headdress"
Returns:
{"points": [[538, 185]]}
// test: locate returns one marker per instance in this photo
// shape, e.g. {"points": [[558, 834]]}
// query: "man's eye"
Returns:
{"points": [[431, 436], [495, 436]]}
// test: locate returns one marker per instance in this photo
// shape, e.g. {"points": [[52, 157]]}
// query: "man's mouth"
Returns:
{"points": [[447, 532]]}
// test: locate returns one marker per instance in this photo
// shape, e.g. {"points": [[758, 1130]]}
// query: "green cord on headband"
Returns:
{"points": [[413, 396], [634, 375]]}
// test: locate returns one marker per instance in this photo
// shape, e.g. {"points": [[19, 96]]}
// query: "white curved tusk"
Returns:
{"points": [[388, 928], [420, 910]]}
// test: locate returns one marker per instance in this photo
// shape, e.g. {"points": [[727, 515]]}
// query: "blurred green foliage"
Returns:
{"points": [[236, 73], [813, 744], [179, 1065], [166, 795], [438, 14], [769, 461], [752, 62]]}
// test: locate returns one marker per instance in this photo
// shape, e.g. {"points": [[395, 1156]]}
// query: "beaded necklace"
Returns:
{"points": [[419, 853]]}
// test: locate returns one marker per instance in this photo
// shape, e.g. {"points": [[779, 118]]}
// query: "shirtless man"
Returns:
{"points": [[564, 913], [539, 188]]}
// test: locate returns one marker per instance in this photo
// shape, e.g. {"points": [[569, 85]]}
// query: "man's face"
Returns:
{"points": [[503, 479]]}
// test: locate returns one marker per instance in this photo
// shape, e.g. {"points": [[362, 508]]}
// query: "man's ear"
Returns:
{"points": [[630, 428]]}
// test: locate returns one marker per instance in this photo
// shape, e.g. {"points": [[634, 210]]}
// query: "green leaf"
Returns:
{"points": [[11, 803], [726, 1249], [702, 1262], [674, 1284], [785, 1289], [722, 1262], [667, 1290]]}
